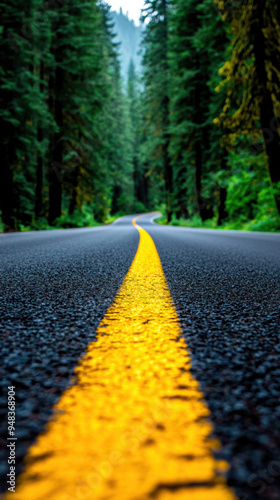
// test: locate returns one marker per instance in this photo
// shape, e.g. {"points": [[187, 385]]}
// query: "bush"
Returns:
{"points": [[79, 218]]}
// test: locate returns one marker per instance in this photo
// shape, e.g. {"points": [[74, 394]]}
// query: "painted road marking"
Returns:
{"points": [[156, 216], [133, 426]]}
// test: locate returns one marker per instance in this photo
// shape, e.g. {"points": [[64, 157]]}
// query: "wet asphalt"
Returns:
{"points": [[55, 287]]}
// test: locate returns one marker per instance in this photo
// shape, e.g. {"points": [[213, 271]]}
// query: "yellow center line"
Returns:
{"points": [[134, 425]]}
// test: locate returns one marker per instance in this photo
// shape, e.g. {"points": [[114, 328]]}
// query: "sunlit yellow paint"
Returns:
{"points": [[133, 426]]}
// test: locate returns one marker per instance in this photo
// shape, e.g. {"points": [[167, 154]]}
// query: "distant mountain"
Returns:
{"points": [[129, 36]]}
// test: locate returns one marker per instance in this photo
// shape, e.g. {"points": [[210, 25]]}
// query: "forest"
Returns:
{"points": [[195, 136], [128, 36]]}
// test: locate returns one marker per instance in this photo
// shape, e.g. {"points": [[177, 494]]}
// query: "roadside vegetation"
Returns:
{"points": [[198, 132]]}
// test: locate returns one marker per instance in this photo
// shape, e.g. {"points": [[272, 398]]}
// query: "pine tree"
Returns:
{"points": [[156, 105], [196, 49], [117, 172], [121, 167], [75, 101], [213, 39], [21, 103], [133, 93]]}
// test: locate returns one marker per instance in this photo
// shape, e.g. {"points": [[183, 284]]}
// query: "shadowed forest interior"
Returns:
{"points": [[193, 132]]}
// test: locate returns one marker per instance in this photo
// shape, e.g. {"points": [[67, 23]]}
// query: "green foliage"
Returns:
{"points": [[250, 194], [79, 218], [266, 225], [198, 136], [68, 150], [219, 174], [195, 150], [156, 95], [251, 79]]}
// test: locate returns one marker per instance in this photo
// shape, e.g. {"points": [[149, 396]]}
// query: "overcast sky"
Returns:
{"points": [[132, 6]]}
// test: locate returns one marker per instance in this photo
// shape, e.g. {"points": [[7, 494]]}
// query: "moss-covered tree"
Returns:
{"points": [[251, 77]]}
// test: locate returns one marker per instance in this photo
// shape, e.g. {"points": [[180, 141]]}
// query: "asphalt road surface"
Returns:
{"points": [[56, 287]]}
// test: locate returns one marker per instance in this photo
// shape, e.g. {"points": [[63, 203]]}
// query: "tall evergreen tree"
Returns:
{"points": [[133, 93], [20, 104], [117, 171], [75, 101], [156, 78], [121, 149], [194, 58]]}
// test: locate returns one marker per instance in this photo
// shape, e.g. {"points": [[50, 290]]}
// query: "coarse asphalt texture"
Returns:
{"points": [[57, 285]]}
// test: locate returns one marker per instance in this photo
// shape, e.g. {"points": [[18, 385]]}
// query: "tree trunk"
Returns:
{"points": [[205, 211], [198, 175], [73, 202], [272, 145], [39, 179], [137, 179], [198, 152], [146, 186], [40, 161], [116, 195], [222, 211], [56, 167], [269, 120], [168, 179], [6, 182], [166, 136]]}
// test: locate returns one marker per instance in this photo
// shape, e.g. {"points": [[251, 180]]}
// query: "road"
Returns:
{"points": [[56, 287]]}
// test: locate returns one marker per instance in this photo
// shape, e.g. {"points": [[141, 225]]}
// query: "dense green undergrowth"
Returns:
{"points": [[262, 224], [79, 219], [250, 199], [267, 225], [84, 219]]}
